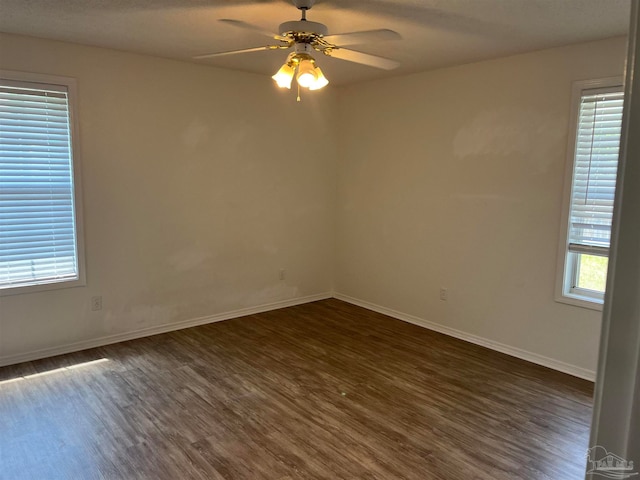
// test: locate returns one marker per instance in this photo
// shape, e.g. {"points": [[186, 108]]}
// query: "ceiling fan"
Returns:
{"points": [[307, 37]]}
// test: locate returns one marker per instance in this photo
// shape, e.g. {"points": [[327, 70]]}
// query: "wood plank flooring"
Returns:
{"points": [[324, 390]]}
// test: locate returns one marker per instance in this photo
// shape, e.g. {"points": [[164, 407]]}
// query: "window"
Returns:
{"points": [[40, 233], [590, 191]]}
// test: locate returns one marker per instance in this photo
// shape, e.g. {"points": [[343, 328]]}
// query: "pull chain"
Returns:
{"points": [[298, 99]]}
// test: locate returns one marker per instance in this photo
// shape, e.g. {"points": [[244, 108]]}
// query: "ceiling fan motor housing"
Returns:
{"points": [[303, 27], [302, 48]]}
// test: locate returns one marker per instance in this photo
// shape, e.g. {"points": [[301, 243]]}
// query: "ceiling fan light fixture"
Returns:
{"points": [[307, 75], [306, 38], [284, 76], [321, 80]]}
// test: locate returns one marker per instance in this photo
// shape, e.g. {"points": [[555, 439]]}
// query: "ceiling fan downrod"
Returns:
{"points": [[303, 6]]}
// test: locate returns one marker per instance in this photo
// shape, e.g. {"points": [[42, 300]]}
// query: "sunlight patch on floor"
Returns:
{"points": [[55, 370]]}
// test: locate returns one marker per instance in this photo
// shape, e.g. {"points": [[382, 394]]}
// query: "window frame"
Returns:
{"points": [[567, 261], [70, 85]]}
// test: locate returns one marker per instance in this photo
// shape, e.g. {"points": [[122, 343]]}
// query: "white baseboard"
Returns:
{"points": [[155, 330], [452, 332]]}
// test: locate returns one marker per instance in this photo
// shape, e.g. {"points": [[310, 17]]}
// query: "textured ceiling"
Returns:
{"points": [[435, 33]]}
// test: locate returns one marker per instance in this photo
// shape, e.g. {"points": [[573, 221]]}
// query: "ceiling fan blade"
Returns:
{"points": [[233, 52], [366, 36], [253, 28], [363, 58]]}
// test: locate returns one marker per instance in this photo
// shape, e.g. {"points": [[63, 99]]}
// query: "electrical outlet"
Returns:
{"points": [[96, 303], [281, 274], [444, 295]]}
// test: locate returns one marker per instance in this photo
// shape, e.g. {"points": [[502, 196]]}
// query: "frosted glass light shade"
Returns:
{"points": [[306, 74], [284, 76], [321, 80]]}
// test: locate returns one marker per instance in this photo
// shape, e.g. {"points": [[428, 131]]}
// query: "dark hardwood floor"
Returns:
{"points": [[324, 390]]}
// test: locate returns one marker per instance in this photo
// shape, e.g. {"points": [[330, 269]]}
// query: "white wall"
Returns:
{"points": [[199, 185], [454, 178]]}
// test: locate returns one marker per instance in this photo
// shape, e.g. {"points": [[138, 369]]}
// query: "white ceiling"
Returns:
{"points": [[435, 33]]}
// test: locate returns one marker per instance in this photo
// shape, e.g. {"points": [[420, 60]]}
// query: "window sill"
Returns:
{"points": [[42, 287], [581, 301]]}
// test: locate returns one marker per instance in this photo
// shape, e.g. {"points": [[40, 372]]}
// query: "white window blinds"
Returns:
{"points": [[595, 170], [37, 227]]}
